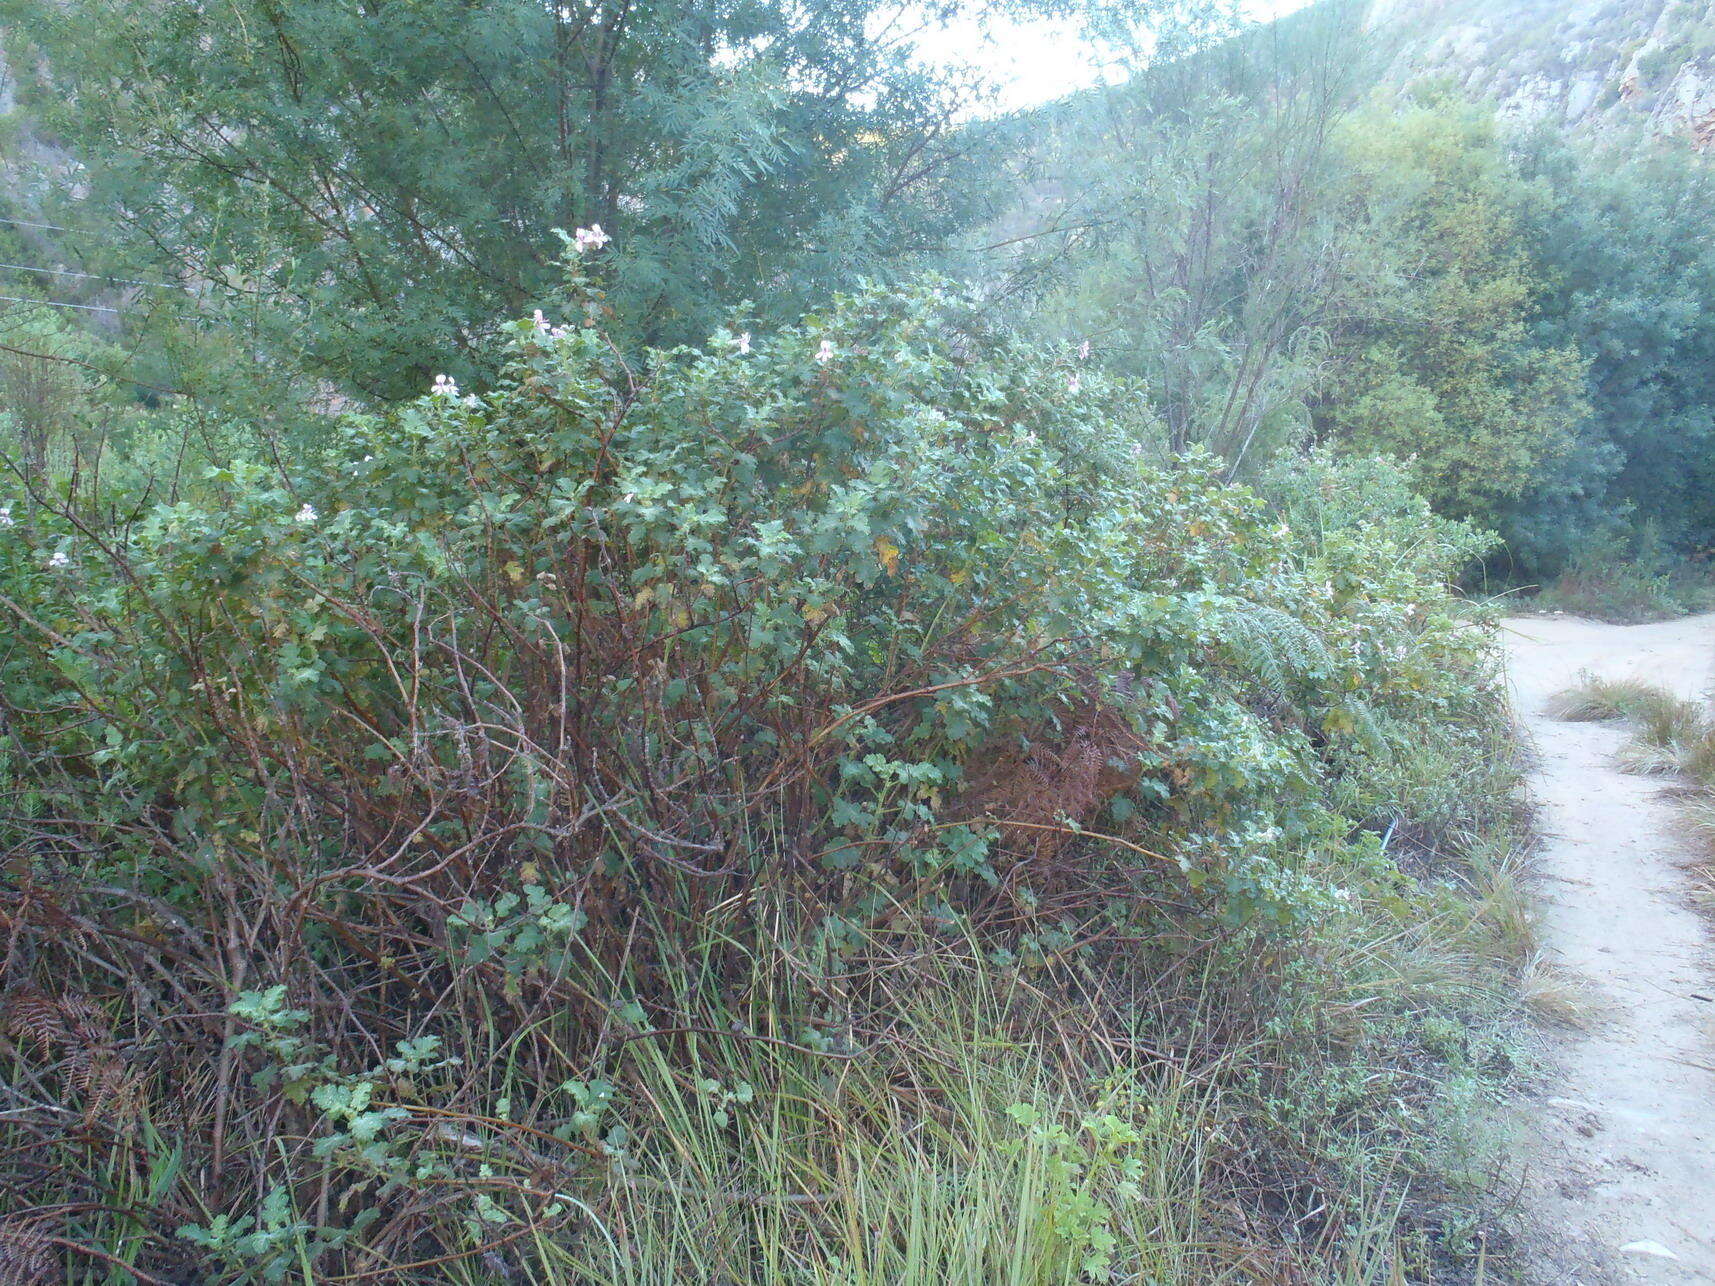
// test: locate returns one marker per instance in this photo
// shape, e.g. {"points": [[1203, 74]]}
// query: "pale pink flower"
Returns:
{"points": [[590, 238], [743, 343], [59, 559], [306, 515], [445, 386], [825, 353]]}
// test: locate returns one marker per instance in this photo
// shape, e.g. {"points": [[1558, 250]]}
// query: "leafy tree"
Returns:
{"points": [[1444, 368], [1189, 224], [378, 179], [51, 391], [1622, 241]]}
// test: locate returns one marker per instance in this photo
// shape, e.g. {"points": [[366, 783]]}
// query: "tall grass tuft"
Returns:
{"points": [[1592, 699], [1671, 736]]}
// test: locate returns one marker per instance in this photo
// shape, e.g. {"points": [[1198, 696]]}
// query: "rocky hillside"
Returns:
{"points": [[1602, 66]]}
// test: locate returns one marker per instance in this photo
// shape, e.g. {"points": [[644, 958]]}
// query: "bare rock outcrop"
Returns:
{"points": [[1601, 67]]}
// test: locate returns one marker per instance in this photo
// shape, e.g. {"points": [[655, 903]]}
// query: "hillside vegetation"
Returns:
{"points": [[599, 686], [560, 780]]}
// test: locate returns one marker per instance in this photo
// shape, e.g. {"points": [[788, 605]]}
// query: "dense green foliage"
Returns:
{"points": [[885, 522], [1278, 251], [1448, 374], [834, 640], [369, 185], [1285, 253], [1626, 244], [1194, 234], [779, 766]]}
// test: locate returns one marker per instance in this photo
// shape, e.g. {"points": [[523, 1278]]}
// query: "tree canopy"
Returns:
{"points": [[377, 181]]}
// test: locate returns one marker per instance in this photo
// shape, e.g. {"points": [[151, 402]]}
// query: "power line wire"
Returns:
{"points": [[91, 276], [46, 227], [54, 303], [88, 308]]}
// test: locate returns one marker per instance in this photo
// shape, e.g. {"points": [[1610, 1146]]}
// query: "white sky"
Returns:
{"points": [[1041, 60]]}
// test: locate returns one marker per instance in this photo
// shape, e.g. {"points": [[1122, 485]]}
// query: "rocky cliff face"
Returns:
{"points": [[28, 156], [1599, 66]]}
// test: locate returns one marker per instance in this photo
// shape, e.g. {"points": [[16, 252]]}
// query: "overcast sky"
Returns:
{"points": [[1039, 61]]}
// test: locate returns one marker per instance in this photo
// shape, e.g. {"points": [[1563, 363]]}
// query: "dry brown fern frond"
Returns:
{"points": [[93, 1067], [32, 1015], [110, 1091], [28, 1256], [1096, 755], [32, 908], [86, 1023]]}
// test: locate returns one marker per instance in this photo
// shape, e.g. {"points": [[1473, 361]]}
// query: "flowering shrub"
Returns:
{"points": [[842, 627], [745, 612]]}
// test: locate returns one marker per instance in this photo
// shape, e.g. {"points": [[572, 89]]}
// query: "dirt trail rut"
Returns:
{"points": [[1621, 1162]]}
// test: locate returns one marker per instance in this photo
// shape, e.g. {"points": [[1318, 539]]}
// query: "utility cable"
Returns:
{"points": [[91, 276], [55, 303]]}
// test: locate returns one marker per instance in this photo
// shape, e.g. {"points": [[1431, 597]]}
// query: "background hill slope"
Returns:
{"points": [[1604, 66]]}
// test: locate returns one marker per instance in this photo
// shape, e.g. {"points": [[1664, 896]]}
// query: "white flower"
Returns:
{"points": [[6, 519], [472, 400], [1137, 450], [445, 386], [546, 327], [743, 343], [825, 353], [59, 559], [1073, 383], [305, 515], [1084, 351], [590, 238]]}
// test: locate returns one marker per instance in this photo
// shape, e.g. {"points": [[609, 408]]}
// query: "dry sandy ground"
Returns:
{"points": [[1621, 1147]]}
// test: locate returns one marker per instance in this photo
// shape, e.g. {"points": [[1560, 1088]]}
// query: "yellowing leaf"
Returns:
{"points": [[888, 552], [516, 571]]}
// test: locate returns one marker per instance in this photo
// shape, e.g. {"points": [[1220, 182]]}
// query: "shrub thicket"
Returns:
{"points": [[541, 827]]}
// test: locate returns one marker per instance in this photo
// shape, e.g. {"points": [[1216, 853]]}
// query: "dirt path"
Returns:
{"points": [[1623, 1146]]}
